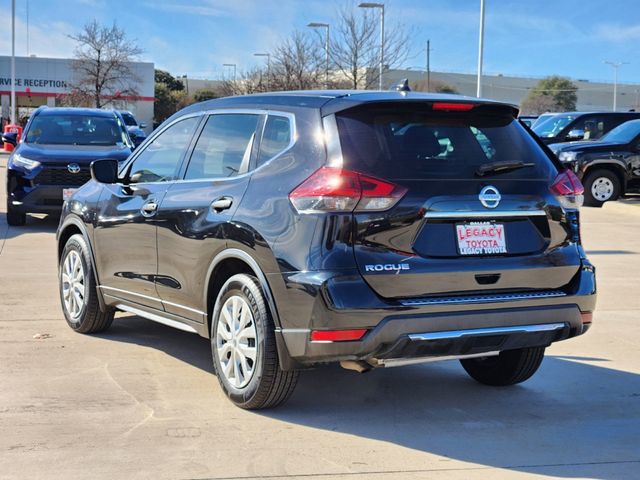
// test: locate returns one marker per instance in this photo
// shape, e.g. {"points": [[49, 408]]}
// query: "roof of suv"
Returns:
{"points": [[331, 101]]}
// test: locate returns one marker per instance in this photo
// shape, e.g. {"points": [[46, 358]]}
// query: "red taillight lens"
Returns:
{"points": [[568, 188], [452, 107], [338, 190], [337, 335]]}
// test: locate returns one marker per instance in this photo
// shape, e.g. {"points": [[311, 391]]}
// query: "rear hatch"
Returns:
{"points": [[478, 215]]}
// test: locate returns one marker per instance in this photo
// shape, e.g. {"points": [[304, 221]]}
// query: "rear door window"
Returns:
{"points": [[224, 146], [410, 144]]}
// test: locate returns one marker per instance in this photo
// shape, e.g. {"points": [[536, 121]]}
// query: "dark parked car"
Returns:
{"points": [[609, 167], [375, 229], [573, 126], [52, 159], [135, 128]]}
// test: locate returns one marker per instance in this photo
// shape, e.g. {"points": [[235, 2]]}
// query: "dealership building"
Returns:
{"points": [[46, 81]]}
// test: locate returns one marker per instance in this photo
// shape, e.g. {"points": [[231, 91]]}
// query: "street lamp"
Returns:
{"points": [[480, 50], [381, 7], [268, 55], [615, 66], [234, 69], [326, 49]]}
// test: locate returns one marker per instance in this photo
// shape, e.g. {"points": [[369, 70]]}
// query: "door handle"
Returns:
{"points": [[223, 203], [149, 209]]}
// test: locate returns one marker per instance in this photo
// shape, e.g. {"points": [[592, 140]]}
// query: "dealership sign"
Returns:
{"points": [[35, 83]]}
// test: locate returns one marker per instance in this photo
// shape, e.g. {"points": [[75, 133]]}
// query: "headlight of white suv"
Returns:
{"points": [[567, 156], [24, 162]]}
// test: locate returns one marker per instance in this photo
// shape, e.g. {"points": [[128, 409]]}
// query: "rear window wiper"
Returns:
{"points": [[501, 167]]}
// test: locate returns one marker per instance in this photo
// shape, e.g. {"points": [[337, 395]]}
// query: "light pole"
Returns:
{"points": [[268, 55], [428, 65], [480, 50], [381, 7], [326, 49], [234, 69], [615, 66], [13, 62]]}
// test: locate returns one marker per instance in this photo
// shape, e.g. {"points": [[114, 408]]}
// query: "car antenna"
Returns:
{"points": [[402, 86]]}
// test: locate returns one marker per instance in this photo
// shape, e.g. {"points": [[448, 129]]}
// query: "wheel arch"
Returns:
{"points": [[227, 263], [71, 226], [618, 168]]}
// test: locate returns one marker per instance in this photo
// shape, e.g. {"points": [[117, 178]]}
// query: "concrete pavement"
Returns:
{"points": [[140, 401]]}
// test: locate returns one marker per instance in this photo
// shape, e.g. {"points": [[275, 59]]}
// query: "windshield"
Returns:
{"points": [[553, 126], [624, 133], [541, 119], [129, 120], [75, 130], [402, 143]]}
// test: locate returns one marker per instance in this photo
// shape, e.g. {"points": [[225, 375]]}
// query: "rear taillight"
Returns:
{"points": [[568, 189], [338, 190]]}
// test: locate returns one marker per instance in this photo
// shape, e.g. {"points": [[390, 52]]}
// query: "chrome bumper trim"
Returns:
{"points": [[401, 362], [455, 334], [502, 297], [485, 213]]}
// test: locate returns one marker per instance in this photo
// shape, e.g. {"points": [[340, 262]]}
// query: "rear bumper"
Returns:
{"points": [[414, 330]]}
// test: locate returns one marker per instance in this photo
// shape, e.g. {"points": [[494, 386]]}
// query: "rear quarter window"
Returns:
{"points": [[410, 144]]}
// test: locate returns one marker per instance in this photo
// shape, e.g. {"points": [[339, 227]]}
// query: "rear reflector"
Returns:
{"points": [[587, 317], [338, 190], [453, 107], [337, 335], [568, 189]]}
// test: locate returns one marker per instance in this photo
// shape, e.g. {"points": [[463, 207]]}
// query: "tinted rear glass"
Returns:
{"points": [[410, 144]]}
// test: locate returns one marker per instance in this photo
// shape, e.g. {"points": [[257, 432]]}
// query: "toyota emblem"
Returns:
{"points": [[73, 168], [489, 196]]}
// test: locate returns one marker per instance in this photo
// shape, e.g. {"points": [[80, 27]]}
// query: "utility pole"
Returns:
{"points": [[480, 50], [234, 69], [428, 65], [615, 66], [268, 55], [13, 62]]}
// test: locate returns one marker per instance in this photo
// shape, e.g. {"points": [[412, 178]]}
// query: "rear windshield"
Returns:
{"points": [[75, 130], [410, 144]]}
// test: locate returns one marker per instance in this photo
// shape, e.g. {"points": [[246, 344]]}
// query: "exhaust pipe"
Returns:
{"points": [[355, 365]]}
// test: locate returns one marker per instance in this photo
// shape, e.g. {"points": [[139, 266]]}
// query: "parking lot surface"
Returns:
{"points": [[140, 401]]}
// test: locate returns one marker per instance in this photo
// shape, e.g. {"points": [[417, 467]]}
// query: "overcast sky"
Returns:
{"points": [[523, 37]]}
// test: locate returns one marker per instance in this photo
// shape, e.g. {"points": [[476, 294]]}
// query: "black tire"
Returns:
{"points": [[599, 176], [15, 219], [508, 368], [90, 318], [269, 385]]}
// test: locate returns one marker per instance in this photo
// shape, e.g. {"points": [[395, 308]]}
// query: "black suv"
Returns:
{"points": [[574, 126], [52, 159], [609, 167], [374, 229]]}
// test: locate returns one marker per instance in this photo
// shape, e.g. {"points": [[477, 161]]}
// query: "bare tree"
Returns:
{"points": [[297, 64], [355, 47], [102, 64]]}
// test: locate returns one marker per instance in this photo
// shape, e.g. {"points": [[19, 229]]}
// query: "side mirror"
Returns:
{"points": [[105, 171], [143, 125], [575, 134], [10, 138]]}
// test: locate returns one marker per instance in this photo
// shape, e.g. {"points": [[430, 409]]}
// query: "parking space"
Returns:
{"points": [[140, 401]]}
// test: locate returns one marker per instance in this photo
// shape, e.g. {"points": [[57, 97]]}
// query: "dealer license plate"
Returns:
{"points": [[67, 192], [481, 238]]}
